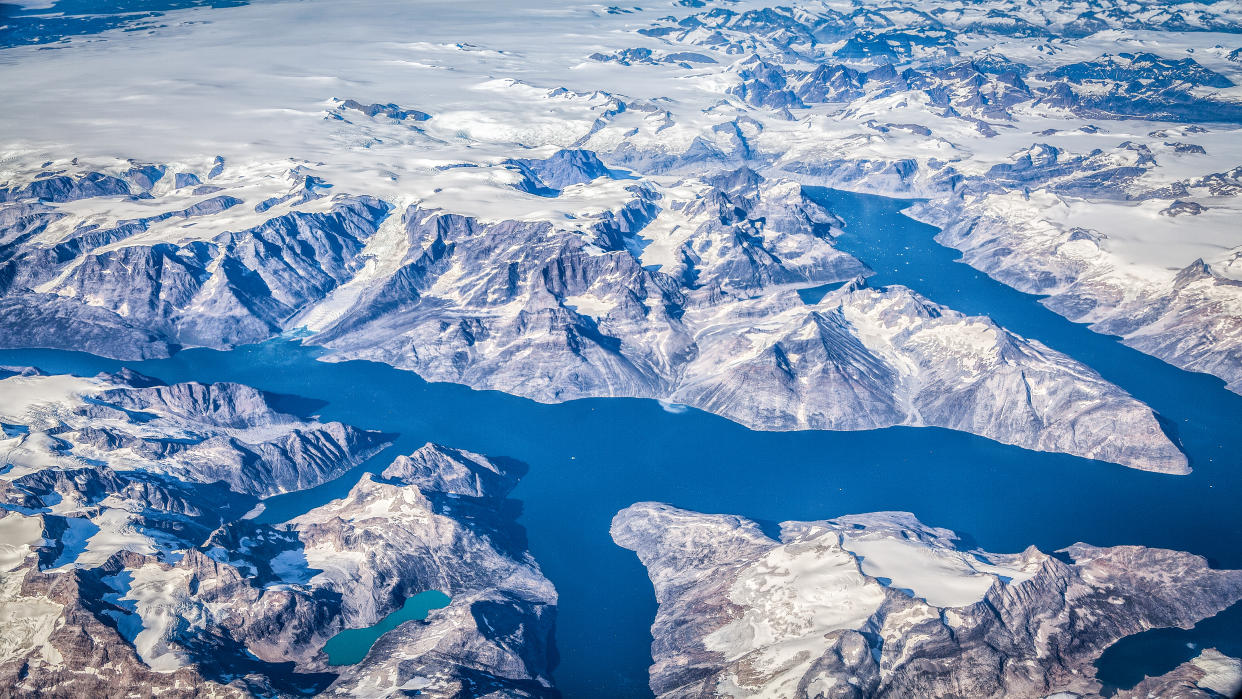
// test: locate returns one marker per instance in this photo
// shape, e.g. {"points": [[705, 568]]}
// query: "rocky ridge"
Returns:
{"points": [[130, 555], [685, 291], [882, 605], [924, 88]]}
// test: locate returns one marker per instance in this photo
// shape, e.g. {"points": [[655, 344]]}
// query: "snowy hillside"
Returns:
{"points": [[129, 554], [883, 605], [566, 219]]}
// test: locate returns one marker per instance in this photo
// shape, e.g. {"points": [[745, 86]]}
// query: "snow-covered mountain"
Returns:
{"points": [[682, 290], [560, 222], [129, 556], [883, 605], [1087, 153]]}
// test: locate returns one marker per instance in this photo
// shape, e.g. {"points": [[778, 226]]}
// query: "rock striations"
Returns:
{"points": [[685, 291]]}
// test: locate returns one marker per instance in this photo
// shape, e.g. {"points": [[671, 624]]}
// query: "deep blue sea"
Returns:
{"points": [[60, 20], [590, 458]]}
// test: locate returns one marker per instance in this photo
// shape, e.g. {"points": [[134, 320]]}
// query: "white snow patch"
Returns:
{"points": [[790, 598], [18, 535], [943, 577], [1223, 674], [26, 622], [116, 533], [40, 401]]}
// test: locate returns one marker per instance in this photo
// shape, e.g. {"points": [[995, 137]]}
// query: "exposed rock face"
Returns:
{"points": [[199, 433], [718, 322], [122, 483], [39, 320], [61, 641], [437, 520], [116, 287], [913, 48], [128, 562], [392, 111], [908, 78], [882, 605], [864, 358], [679, 290], [1191, 318], [480, 645]]}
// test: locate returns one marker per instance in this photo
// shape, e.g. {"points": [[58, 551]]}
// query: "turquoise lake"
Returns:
{"points": [[351, 645], [590, 458]]}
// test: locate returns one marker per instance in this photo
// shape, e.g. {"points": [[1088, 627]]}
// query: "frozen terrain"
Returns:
{"points": [[564, 201], [460, 220], [679, 290], [128, 557], [883, 605], [1088, 153]]}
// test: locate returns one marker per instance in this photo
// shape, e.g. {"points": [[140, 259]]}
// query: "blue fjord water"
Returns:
{"points": [[59, 20], [590, 458]]}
